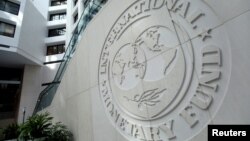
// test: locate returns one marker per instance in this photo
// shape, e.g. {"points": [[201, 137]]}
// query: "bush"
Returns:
{"points": [[40, 125], [36, 126], [11, 131], [59, 132]]}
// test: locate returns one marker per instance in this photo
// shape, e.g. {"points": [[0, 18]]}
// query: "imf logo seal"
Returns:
{"points": [[149, 73], [163, 71]]}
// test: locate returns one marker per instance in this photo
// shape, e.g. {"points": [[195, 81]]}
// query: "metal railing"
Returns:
{"points": [[46, 96]]}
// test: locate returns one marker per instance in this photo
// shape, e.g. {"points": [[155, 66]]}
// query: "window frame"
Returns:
{"points": [[55, 32], [3, 33], [57, 2], [8, 7], [61, 16], [55, 49]]}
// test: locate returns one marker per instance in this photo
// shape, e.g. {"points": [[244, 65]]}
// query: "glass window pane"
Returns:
{"points": [[56, 32], [62, 16], [55, 3], [49, 51], [64, 2], [61, 31], [7, 29], [58, 2], [2, 4], [55, 49], [60, 49], [51, 17], [9, 7], [1, 28], [12, 8], [58, 16]]}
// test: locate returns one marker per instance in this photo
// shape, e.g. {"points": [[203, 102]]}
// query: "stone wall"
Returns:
{"points": [[159, 70]]}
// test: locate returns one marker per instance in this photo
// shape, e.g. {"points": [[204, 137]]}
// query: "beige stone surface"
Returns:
{"points": [[78, 102]]}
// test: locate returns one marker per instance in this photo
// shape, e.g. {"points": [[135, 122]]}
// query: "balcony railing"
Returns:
{"points": [[47, 95]]}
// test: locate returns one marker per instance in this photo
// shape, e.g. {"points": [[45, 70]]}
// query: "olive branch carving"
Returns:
{"points": [[147, 98]]}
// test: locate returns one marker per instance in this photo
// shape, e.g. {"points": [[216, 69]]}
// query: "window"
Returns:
{"points": [[57, 32], [76, 17], [7, 29], [75, 2], [59, 16], [58, 2], [9, 7], [56, 49]]}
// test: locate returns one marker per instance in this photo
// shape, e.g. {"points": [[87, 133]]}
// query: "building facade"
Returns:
{"points": [[34, 37], [22, 45]]}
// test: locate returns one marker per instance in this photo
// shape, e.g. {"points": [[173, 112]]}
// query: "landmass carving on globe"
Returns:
{"points": [[147, 61]]}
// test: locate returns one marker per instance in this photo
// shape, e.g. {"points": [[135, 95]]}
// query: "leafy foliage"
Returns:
{"points": [[11, 131], [40, 127], [59, 132], [36, 126]]}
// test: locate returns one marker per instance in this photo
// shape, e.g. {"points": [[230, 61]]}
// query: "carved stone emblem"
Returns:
{"points": [[161, 69], [139, 69]]}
